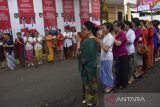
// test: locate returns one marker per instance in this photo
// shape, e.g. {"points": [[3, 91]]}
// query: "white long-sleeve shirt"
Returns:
{"points": [[130, 41], [67, 41]]}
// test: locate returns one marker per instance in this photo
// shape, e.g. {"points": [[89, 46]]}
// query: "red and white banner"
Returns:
{"points": [[144, 5], [49, 13], [68, 12], [84, 11], [26, 9], [5, 24], [96, 11]]}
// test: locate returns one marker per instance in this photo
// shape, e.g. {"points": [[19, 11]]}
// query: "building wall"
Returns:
{"points": [[113, 12], [15, 24]]}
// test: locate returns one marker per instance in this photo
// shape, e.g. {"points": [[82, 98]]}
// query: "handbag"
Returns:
{"points": [[141, 48]]}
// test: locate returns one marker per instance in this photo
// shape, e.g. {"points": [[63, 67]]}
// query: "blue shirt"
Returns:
{"points": [[9, 49]]}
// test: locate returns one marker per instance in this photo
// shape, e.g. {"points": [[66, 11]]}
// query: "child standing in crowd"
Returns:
{"points": [[49, 44], [106, 73], [38, 47], [28, 41], [19, 43], [9, 50], [60, 44], [131, 50]]}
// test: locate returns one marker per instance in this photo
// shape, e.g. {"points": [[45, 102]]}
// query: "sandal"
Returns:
{"points": [[108, 90]]}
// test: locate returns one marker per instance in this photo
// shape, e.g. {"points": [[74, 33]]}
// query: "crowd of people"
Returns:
{"points": [[30, 48], [127, 51]]}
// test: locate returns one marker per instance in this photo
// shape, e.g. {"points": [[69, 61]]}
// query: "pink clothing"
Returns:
{"points": [[122, 49], [29, 55]]}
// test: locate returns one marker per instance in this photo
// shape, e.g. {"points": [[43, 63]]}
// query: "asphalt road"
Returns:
{"points": [[59, 85]]}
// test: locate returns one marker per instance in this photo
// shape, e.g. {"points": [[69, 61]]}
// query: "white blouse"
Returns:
{"points": [[28, 43], [67, 41]]}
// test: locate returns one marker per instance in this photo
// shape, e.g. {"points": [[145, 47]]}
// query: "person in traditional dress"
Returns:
{"points": [[120, 54], [49, 43], [9, 52], [28, 41], [38, 47], [19, 43], [60, 45], [88, 64], [138, 40], [106, 57], [145, 34], [156, 30], [130, 34], [150, 45]]}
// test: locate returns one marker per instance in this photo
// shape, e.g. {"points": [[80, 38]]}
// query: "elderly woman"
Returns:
{"points": [[120, 54], [106, 74], [88, 64]]}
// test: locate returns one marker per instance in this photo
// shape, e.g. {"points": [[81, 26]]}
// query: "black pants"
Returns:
{"points": [[121, 71], [67, 52]]}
